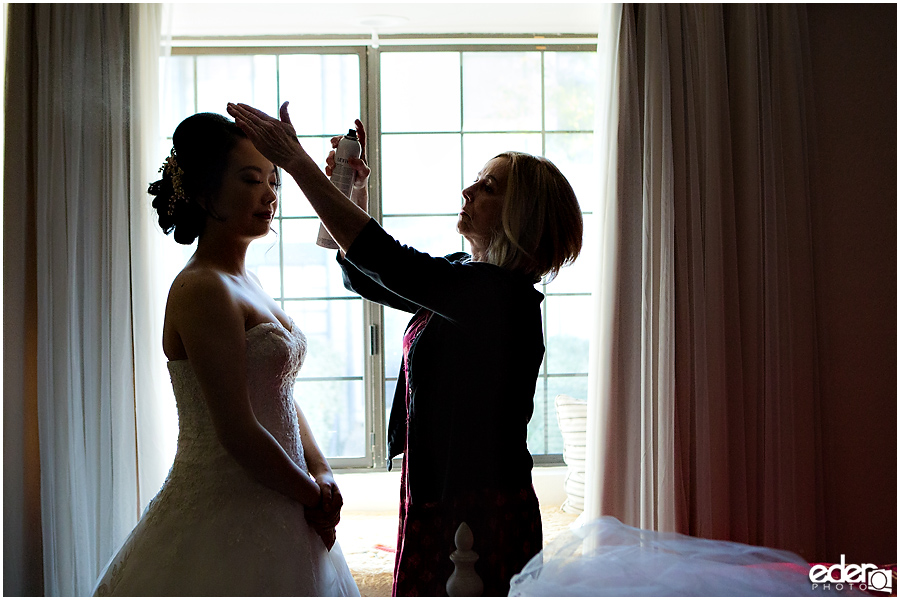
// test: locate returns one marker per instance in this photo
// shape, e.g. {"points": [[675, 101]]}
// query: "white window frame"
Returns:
{"points": [[369, 52]]}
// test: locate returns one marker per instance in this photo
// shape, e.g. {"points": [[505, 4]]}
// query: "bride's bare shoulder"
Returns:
{"points": [[200, 288]]}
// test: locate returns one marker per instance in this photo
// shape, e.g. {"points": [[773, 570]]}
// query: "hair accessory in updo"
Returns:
{"points": [[171, 168], [185, 195]]}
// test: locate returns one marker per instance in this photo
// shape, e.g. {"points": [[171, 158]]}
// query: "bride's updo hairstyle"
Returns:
{"points": [[193, 171]]}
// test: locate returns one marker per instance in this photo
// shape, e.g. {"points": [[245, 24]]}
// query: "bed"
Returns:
{"points": [[607, 558]]}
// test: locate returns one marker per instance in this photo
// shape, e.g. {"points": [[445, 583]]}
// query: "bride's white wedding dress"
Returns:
{"points": [[213, 530]]}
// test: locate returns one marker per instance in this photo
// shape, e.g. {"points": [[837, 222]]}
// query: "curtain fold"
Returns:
{"points": [[630, 463], [76, 87], [705, 415], [85, 383], [657, 283], [154, 403]]}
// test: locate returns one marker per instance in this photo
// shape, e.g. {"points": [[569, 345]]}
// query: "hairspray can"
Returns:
{"points": [[343, 176]]}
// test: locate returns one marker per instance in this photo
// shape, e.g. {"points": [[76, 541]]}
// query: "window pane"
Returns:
{"points": [[543, 366], [420, 91], [434, 189], [309, 271], [336, 414], [247, 79], [434, 235], [333, 330], [567, 337], [571, 386], [580, 276], [544, 436], [263, 258], [395, 322], [501, 91], [537, 434], [390, 386], [292, 201], [478, 148], [323, 90], [176, 75], [570, 80], [573, 154]]}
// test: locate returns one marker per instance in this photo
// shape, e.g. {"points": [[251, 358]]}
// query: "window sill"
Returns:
{"points": [[378, 492]]}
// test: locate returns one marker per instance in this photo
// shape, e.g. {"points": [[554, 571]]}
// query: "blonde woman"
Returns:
{"points": [[472, 350]]}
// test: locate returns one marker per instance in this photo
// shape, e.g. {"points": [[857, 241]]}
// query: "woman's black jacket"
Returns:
{"points": [[473, 367]]}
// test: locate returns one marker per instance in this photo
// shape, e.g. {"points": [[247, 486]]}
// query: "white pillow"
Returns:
{"points": [[571, 414]]}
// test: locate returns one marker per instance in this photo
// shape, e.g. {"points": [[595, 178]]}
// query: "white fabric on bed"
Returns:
{"points": [[606, 558]]}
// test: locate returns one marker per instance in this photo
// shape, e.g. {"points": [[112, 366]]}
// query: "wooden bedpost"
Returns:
{"points": [[464, 581]]}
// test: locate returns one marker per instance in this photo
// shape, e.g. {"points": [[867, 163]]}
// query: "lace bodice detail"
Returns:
{"points": [[274, 357]]}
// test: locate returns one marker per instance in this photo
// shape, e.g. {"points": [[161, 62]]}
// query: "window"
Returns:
{"points": [[457, 106]]}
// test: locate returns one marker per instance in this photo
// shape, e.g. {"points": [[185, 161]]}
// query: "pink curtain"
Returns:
{"points": [[706, 399]]}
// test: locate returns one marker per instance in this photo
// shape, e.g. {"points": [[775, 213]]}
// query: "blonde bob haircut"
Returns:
{"points": [[540, 225]]}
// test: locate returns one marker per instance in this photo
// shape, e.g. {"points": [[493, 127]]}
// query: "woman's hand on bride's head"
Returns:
{"points": [[274, 138]]}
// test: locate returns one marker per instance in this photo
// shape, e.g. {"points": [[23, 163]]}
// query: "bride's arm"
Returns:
{"points": [[210, 323], [317, 464], [325, 517]]}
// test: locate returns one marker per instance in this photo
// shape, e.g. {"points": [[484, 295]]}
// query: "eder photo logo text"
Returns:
{"points": [[864, 577]]}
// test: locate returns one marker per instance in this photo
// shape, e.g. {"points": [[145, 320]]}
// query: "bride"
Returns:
{"points": [[250, 505]]}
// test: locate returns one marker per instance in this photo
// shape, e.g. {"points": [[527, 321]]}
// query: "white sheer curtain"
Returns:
{"points": [[703, 402], [155, 405], [162, 259], [630, 459], [80, 83]]}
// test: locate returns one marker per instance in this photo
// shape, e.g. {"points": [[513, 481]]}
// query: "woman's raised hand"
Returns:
{"points": [[275, 139]]}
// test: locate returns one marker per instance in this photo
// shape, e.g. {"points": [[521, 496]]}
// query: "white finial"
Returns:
{"points": [[464, 581], [464, 538]]}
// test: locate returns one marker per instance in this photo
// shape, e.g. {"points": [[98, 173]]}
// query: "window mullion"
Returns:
{"points": [[373, 314]]}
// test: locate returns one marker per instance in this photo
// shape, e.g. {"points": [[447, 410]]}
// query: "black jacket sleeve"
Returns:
{"points": [[357, 281], [445, 285]]}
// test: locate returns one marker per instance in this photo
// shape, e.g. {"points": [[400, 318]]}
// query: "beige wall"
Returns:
{"points": [[854, 51]]}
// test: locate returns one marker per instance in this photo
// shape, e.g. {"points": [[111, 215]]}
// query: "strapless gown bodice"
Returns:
{"points": [[274, 357]]}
